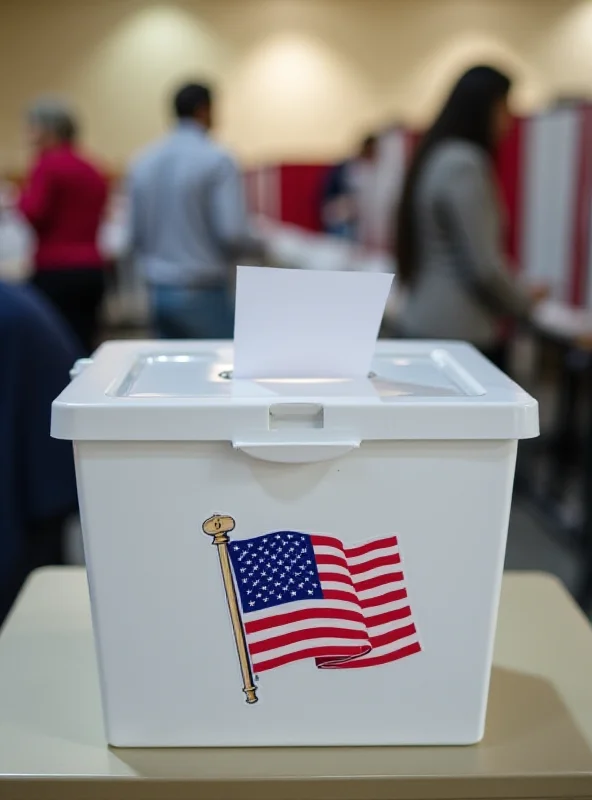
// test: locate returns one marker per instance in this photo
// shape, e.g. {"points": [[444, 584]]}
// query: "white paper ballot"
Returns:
{"points": [[294, 323]]}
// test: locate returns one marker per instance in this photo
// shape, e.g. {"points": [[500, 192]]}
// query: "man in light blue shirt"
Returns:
{"points": [[189, 223]]}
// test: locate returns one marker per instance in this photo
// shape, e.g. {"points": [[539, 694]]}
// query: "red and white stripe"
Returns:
{"points": [[373, 573], [364, 618]]}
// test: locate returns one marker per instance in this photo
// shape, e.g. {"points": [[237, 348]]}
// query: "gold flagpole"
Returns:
{"points": [[219, 527]]}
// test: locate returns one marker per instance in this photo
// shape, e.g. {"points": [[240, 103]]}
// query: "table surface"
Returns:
{"points": [[562, 321], [538, 739]]}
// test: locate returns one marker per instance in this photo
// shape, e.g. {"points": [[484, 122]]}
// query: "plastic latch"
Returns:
{"points": [[291, 416]]}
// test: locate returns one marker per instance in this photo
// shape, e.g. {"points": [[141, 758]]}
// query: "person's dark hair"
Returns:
{"points": [[368, 145], [190, 99], [467, 115]]}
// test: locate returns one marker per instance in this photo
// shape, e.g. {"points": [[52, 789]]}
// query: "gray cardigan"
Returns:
{"points": [[462, 286]]}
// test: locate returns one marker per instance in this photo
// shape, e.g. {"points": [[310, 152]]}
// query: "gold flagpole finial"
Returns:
{"points": [[219, 526]]}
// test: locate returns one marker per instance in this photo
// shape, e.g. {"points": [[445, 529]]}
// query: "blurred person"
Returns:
{"points": [[64, 199], [346, 190], [17, 241], [37, 484], [189, 223], [449, 249]]}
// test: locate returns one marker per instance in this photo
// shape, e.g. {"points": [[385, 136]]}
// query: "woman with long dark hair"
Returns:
{"points": [[449, 249]]}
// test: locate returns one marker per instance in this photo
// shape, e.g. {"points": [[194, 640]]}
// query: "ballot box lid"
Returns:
{"points": [[186, 391]]}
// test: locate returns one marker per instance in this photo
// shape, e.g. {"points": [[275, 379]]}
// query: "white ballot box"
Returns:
{"points": [[293, 561]]}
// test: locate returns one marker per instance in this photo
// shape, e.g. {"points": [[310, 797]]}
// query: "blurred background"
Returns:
{"points": [[311, 117]]}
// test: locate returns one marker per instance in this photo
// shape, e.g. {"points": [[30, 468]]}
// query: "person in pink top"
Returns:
{"points": [[64, 200]]}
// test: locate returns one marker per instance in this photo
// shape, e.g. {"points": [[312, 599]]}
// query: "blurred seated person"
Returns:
{"points": [[189, 223], [37, 484], [449, 237], [64, 200], [345, 191]]}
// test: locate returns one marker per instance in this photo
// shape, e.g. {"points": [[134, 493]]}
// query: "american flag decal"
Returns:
{"points": [[310, 596]]}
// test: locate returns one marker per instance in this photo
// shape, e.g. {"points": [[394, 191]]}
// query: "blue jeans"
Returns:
{"points": [[182, 313]]}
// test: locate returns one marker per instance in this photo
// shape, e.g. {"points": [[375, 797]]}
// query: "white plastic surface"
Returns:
{"points": [[168, 663], [184, 391], [297, 452]]}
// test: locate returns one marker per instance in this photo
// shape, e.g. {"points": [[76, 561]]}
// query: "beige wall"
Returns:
{"points": [[299, 79]]}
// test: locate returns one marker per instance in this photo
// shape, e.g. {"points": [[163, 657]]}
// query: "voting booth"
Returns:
{"points": [[294, 539]]}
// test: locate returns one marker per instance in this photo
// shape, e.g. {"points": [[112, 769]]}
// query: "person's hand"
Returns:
{"points": [[339, 210], [538, 293]]}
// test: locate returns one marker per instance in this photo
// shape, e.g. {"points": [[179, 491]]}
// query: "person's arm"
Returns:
{"points": [[36, 199], [134, 214], [469, 211], [229, 211]]}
